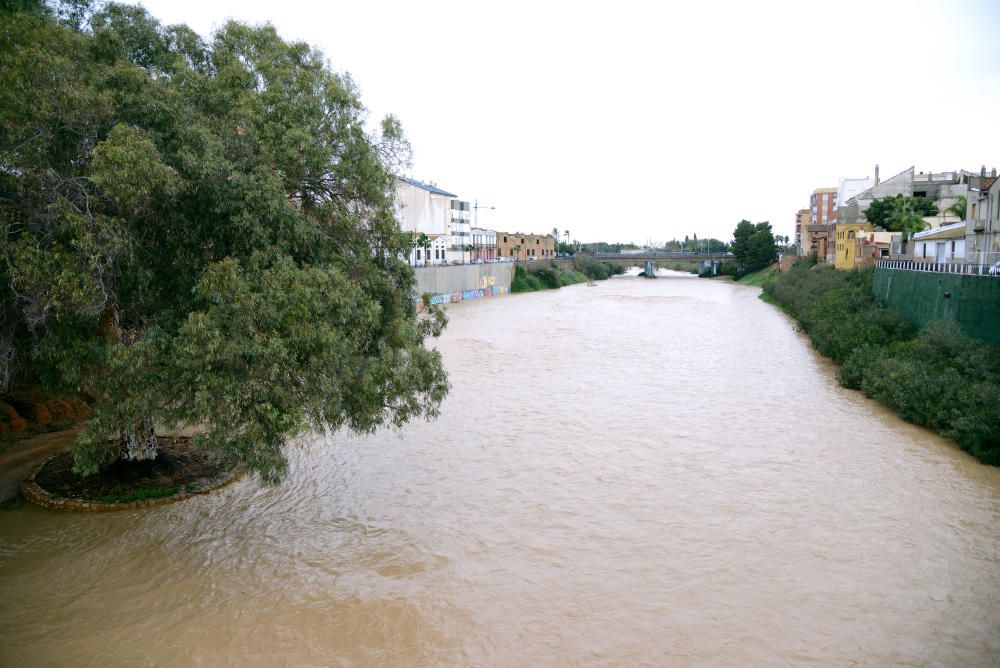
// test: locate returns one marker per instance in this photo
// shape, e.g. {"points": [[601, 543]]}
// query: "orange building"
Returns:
{"points": [[802, 221], [519, 246]]}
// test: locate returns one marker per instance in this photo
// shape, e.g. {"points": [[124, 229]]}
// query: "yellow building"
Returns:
{"points": [[847, 245]]}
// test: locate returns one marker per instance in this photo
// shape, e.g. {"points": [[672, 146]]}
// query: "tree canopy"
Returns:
{"points": [[959, 207], [900, 214], [753, 246], [201, 232]]}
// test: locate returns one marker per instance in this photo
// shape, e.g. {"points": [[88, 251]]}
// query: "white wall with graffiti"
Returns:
{"points": [[460, 282]]}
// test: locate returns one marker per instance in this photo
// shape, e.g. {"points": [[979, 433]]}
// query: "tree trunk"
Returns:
{"points": [[140, 443]]}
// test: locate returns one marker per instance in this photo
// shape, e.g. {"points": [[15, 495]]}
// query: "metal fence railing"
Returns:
{"points": [[942, 268]]}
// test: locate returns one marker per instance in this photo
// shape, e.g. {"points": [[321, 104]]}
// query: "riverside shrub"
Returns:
{"points": [[595, 269], [937, 377], [543, 277]]}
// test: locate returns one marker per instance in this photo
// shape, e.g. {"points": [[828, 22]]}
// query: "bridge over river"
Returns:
{"points": [[650, 258]]}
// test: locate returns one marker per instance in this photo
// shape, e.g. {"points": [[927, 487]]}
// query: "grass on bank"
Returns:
{"points": [[936, 377], [758, 277], [548, 276], [121, 494]]}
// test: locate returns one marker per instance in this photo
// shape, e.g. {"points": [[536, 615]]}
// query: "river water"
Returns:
{"points": [[635, 473]]}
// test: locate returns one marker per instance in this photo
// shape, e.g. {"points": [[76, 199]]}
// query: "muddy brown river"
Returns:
{"points": [[643, 472]]}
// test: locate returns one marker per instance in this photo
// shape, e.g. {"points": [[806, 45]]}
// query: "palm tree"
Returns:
{"points": [[467, 248], [423, 241], [905, 217], [517, 249], [958, 207]]}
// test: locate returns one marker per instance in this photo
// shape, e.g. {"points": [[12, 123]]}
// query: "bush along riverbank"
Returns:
{"points": [[936, 377], [548, 276]]}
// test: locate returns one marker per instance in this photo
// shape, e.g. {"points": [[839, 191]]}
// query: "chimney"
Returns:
{"points": [[993, 172], [982, 171], [876, 174]]}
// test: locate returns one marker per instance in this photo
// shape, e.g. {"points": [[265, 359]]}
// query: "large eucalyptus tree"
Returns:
{"points": [[200, 232]]}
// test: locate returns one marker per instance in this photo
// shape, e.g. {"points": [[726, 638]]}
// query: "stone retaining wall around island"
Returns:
{"points": [[36, 494]]}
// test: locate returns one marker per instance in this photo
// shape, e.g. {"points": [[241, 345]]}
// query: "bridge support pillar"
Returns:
{"points": [[650, 268]]}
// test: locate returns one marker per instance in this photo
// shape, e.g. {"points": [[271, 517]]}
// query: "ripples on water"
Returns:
{"points": [[638, 473]]}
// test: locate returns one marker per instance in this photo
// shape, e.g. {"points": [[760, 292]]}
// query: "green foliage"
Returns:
{"points": [[605, 247], [901, 214], [595, 269], [959, 207], [201, 232], [543, 277], [694, 245], [753, 247], [757, 277], [122, 494], [938, 378]]}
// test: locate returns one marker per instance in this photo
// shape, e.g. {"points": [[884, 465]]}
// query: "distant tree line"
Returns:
{"points": [[754, 247]]}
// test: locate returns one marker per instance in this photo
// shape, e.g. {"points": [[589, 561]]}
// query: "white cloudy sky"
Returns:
{"points": [[631, 120]]}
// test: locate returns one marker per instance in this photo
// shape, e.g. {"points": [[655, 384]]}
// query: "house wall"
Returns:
{"points": [[823, 206], [484, 244], [459, 224], [847, 244], [926, 251], [802, 220], [848, 188], [900, 184], [973, 302], [982, 226], [420, 211], [541, 246]]}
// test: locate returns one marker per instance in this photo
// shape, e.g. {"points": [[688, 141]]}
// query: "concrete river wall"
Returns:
{"points": [[467, 281]]}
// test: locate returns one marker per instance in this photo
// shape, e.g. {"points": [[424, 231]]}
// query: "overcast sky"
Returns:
{"points": [[629, 121]]}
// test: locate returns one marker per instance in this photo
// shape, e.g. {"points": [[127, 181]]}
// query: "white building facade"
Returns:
{"points": [[424, 209], [941, 245], [484, 245], [459, 231]]}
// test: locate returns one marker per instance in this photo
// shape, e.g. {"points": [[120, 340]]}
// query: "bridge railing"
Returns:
{"points": [[659, 255]]}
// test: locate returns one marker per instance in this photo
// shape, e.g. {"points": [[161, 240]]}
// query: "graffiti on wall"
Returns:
{"points": [[455, 297]]}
